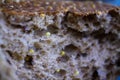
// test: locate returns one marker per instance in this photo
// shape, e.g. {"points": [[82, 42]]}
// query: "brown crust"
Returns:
{"points": [[53, 7]]}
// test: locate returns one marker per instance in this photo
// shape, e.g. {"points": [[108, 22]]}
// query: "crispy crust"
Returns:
{"points": [[53, 7]]}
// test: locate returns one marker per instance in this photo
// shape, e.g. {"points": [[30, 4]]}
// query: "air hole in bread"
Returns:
{"points": [[84, 69], [111, 37], [113, 13], [109, 66], [29, 29], [107, 60], [78, 34], [71, 50], [37, 45], [39, 32], [28, 61], [117, 62], [83, 54], [71, 17], [64, 58], [77, 56], [102, 36], [99, 34], [9, 52], [91, 18], [96, 23], [52, 29], [61, 73], [75, 79], [2, 46], [17, 26], [95, 75], [14, 55], [87, 25], [53, 46]]}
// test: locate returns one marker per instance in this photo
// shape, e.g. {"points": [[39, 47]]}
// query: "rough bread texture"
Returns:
{"points": [[9, 1], [59, 40]]}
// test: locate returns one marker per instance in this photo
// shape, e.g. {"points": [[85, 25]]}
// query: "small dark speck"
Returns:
{"points": [[83, 54], [8, 61], [77, 56], [118, 62]]}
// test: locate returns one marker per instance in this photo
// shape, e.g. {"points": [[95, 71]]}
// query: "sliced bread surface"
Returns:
{"points": [[60, 40]]}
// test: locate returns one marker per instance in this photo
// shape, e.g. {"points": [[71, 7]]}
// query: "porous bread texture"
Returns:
{"points": [[6, 70], [91, 46], [4, 1]]}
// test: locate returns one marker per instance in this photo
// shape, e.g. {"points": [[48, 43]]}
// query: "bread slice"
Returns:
{"points": [[59, 40]]}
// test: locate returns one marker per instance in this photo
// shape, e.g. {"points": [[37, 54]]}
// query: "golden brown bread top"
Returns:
{"points": [[52, 7]]}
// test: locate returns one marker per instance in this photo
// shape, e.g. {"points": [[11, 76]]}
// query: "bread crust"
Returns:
{"points": [[37, 7]]}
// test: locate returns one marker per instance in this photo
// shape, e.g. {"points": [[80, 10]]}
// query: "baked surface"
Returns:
{"points": [[59, 40], [51, 7]]}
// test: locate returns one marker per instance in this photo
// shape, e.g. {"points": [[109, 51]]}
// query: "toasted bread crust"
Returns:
{"points": [[53, 7]]}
